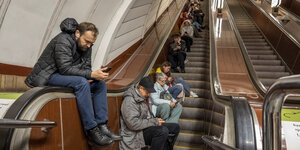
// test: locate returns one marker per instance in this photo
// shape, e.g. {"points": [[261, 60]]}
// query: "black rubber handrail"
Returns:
{"points": [[215, 144]]}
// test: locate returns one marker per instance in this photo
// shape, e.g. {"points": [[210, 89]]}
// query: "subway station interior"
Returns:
{"points": [[243, 64]]}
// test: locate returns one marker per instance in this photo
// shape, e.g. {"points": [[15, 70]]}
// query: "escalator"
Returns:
{"points": [[266, 62], [193, 121]]}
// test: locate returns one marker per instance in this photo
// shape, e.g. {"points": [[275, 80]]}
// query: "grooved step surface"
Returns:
{"points": [[267, 64]]}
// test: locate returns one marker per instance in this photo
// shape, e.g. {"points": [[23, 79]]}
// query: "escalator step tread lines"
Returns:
{"points": [[267, 64], [192, 121], [197, 77]]}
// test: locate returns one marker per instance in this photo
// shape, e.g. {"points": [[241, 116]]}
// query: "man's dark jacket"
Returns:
{"points": [[62, 56]]}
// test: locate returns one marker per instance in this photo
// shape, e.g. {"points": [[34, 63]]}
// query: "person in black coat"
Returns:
{"points": [[66, 61], [177, 53]]}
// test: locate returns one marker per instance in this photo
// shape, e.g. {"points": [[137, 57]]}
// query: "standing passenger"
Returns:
{"points": [[66, 62]]}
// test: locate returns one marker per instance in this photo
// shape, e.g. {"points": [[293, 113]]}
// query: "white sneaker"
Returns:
{"points": [[186, 61], [192, 94]]}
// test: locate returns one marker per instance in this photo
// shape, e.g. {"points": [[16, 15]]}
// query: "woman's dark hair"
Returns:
{"points": [[87, 26], [165, 64]]}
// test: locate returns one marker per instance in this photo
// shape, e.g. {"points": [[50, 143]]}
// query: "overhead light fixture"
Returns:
{"points": [[220, 5], [275, 6]]}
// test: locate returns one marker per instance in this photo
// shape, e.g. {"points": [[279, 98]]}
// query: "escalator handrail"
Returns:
{"points": [[261, 89], [12, 123], [243, 118], [291, 37], [274, 100], [215, 144]]}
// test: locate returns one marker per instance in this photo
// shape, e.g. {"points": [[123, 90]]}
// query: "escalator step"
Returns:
{"points": [[269, 68], [258, 47], [188, 146], [266, 62], [274, 75], [260, 52], [190, 137], [192, 76], [256, 44], [196, 70], [198, 84], [198, 59], [263, 57]]}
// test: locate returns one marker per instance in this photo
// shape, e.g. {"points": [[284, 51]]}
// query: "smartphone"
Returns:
{"points": [[107, 69]]}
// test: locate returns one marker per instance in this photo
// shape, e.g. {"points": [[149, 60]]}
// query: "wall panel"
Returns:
{"points": [[23, 29]]}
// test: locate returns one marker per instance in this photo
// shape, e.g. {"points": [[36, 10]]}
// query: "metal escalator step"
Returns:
{"points": [[190, 137], [188, 146], [254, 40], [198, 59], [260, 52], [263, 57], [192, 113], [197, 64], [197, 49], [198, 54], [191, 125], [198, 84], [200, 46], [256, 44], [196, 70], [195, 102], [266, 62], [274, 75], [202, 93], [269, 68], [253, 33], [192, 76], [255, 37], [250, 47]]}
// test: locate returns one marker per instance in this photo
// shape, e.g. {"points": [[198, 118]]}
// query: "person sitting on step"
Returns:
{"points": [[163, 105], [139, 127], [171, 81], [187, 33], [177, 53]]}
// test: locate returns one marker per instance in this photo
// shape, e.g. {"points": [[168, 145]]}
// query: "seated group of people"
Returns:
{"points": [[150, 111], [192, 22]]}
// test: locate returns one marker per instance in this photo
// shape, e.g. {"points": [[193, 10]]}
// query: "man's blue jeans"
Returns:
{"points": [[90, 117]]}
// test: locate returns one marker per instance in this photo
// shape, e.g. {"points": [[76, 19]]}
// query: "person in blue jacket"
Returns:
{"points": [[163, 105]]}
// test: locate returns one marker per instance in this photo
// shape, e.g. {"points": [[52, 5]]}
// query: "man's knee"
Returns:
{"points": [[81, 82]]}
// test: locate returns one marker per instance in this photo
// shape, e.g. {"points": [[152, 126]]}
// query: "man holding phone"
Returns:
{"points": [[139, 126], [66, 61]]}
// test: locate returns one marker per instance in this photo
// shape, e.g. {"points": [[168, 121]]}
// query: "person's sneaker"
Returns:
{"points": [[96, 137], [105, 130], [182, 70], [192, 94], [186, 60]]}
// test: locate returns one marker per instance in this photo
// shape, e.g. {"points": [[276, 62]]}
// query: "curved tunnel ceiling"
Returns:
{"points": [[26, 27]]}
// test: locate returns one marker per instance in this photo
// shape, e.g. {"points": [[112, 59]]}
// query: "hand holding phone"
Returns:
{"points": [[107, 69]]}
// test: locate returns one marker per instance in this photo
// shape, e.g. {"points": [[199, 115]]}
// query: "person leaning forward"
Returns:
{"points": [[138, 125], [66, 62]]}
